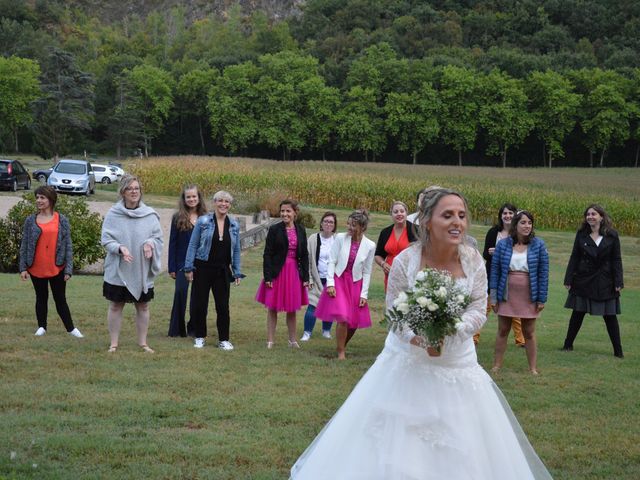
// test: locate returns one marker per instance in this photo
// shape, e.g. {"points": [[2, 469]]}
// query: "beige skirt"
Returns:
{"points": [[518, 302]]}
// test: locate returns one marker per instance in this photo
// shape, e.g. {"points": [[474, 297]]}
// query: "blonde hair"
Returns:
{"points": [[361, 218], [430, 199]]}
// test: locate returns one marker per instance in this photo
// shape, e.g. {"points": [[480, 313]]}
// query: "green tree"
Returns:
{"points": [[458, 91], [152, 97], [65, 108], [192, 90], [413, 119], [503, 113], [231, 105], [360, 125], [554, 107], [321, 104], [606, 118], [19, 86]]}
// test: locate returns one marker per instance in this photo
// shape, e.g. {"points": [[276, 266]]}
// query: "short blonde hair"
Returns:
{"points": [[126, 181], [222, 195], [398, 202]]}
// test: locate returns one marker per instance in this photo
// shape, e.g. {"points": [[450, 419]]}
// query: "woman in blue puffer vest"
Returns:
{"points": [[518, 285]]}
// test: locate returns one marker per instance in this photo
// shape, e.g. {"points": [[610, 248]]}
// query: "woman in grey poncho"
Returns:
{"points": [[132, 237]]}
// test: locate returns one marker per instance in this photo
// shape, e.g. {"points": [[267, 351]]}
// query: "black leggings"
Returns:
{"points": [[217, 281], [613, 329], [58, 289]]}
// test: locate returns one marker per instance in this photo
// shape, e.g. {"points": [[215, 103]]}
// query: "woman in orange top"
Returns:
{"points": [[46, 255], [394, 238]]}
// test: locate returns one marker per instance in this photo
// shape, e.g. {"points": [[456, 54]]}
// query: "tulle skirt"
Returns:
{"points": [[414, 418], [345, 306], [287, 294]]}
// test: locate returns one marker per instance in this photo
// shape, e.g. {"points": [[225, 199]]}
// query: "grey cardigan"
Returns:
{"points": [[31, 233]]}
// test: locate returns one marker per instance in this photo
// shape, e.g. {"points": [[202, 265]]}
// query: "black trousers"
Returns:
{"points": [[215, 280], [613, 329], [58, 289]]}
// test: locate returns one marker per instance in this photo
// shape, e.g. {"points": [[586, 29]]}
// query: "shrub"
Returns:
{"points": [[85, 231]]}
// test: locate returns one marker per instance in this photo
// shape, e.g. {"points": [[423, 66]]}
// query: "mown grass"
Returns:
{"points": [[556, 196], [70, 410]]}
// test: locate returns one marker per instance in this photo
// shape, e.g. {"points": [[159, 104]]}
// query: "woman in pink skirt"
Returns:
{"points": [[518, 285], [344, 300], [285, 272]]}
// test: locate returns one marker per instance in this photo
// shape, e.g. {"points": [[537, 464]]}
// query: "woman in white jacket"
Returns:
{"points": [[344, 300]]}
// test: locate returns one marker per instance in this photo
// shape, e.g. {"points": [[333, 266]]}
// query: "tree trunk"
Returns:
{"points": [[504, 158], [590, 159], [544, 154], [415, 157], [201, 136], [366, 155], [15, 139], [284, 153], [459, 158], [637, 153], [324, 158], [118, 149], [146, 147], [602, 157]]}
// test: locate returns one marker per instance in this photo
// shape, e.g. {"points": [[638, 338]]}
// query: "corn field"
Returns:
{"points": [[557, 198]]}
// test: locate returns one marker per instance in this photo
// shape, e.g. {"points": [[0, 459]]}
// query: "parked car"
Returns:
{"points": [[118, 166], [105, 173], [42, 174], [73, 176], [13, 175]]}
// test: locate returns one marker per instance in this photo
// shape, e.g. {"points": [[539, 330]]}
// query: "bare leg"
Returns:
{"points": [[504, 325], [530, 345], [272, 320], [114, 320], [142, 322], [342, 333], [291, 326]]}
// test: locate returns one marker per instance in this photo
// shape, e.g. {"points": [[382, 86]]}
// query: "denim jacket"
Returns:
{"points": [[200, 243]]}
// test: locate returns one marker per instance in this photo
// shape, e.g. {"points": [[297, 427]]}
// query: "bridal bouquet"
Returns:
{"points": [[431, 309]]}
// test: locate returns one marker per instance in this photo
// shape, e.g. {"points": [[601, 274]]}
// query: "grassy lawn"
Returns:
{"points": [[70, 410]]}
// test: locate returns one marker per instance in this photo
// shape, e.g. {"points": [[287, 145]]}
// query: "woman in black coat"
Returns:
{"points": [[594, 276]]}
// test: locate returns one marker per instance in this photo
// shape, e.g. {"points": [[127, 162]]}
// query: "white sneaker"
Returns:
{"points": [[76, 333], [40, 331], [326, 333], [225, 345], [305, 337], [198, 343]]}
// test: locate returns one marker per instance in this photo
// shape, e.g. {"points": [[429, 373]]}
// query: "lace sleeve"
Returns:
{"points": [[476, 313], [399, 282]]}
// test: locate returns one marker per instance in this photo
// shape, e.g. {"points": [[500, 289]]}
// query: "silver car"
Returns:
{"points": [[73, 176]]}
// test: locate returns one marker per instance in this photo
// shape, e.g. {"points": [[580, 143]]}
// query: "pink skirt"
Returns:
{"points": [[345, 306], [287, 294], [518, 302]]}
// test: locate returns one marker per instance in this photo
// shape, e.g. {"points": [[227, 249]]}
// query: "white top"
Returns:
{"points": [[362, 265], [325, 252], [519, 262], [413, 218], [598, 240]]}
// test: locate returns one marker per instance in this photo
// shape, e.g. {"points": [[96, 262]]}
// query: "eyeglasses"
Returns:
{"points": [[328, 221], [132, 189]]}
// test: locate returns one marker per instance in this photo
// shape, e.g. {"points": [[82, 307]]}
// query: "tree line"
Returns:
{"points": [[248, 84]]}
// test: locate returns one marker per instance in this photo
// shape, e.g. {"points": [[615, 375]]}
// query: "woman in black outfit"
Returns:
{"points": [[594, 276]]}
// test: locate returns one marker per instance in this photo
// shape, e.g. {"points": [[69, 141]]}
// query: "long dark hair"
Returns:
{"points": [[505, 206], [513, 229], [606, 225]]}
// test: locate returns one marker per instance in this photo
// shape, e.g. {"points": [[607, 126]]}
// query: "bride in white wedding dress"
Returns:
{"points": [[418, 415]]}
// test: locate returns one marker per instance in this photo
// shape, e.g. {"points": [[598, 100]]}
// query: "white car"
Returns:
{"points": [[105, 173], [119, 171]]}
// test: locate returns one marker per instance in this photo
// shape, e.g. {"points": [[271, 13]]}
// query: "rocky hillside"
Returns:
{"points": [[115, 10]]}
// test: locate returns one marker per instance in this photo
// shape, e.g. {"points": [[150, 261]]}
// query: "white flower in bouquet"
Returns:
{"points": [[423, 301], [431, 309]]}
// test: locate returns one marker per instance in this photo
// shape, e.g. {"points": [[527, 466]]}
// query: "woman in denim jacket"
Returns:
{"points": [[518, 285], [213, 263]]}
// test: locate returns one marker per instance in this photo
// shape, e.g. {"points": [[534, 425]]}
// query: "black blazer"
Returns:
{"points": [[490, 242], [275, 252], [595, 271], [385, 233]]}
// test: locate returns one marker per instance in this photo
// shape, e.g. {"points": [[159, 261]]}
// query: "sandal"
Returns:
{"points": [[294, 344], [112, 349], [147, 349]]}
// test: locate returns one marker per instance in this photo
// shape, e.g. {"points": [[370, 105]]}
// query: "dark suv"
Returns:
{"points": [[13, 175]]}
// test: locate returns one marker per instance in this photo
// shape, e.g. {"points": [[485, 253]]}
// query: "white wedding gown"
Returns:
{"points": [[415, 417]]}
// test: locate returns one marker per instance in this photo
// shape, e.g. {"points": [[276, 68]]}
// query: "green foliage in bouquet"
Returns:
{"points": [[432, 309]]}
